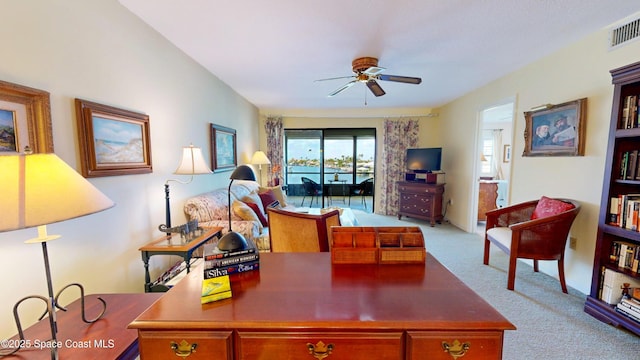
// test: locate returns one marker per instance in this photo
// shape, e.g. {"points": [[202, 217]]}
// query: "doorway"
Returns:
{"points": [[494, 152]]}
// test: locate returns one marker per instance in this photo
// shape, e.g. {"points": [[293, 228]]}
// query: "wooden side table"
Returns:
{"points": [[173, 245]]}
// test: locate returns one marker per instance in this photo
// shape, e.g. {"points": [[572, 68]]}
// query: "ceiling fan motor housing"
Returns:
{"points": [[359, 65]]}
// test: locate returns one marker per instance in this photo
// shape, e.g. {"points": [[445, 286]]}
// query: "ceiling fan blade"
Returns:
{"points": [[343, 88], [402, 79], [336, 78], [375, 88], [374, 70]]}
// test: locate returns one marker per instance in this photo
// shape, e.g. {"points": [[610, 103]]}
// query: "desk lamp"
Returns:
{"points": [[40, 189], [232, 240], [192, 163], [260, 158]]}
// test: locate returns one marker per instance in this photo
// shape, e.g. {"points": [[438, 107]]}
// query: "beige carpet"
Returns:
{"points": [[551, 324]]}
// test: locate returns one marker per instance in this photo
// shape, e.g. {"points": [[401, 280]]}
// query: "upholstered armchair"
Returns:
{"points": [[535, 230], [291, 231]]}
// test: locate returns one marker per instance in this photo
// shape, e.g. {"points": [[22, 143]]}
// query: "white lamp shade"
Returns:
{"points": [[192, 162], [41, 189], [260, 158]]}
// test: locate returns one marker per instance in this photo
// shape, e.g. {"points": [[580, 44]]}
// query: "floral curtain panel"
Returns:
{"points": [[398, 136], [275, 135]]}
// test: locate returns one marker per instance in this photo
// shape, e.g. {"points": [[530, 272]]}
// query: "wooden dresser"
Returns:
{"points": [[421, 200], [299, 306], [487, 196]]}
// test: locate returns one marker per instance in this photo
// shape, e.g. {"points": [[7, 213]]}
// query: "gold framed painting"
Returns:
{"points": [[112, 141], [25, 119], [556, 130]]}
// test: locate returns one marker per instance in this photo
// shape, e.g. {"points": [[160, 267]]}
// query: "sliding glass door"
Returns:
{"points": [[338, 160]]}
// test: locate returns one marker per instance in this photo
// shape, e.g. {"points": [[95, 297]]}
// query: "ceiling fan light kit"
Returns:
{"points": [[367, 71]]}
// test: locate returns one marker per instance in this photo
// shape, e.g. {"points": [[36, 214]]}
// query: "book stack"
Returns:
{"points": [[624, 211], [626, 255], [630, 115], [219, 265], [612, 284], [630, 307]]}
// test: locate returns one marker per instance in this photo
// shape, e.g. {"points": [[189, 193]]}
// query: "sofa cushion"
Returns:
{"points": [[267, 198], [245, 212], [254, 198], [277, 193], [258, 212], [549, 207]]}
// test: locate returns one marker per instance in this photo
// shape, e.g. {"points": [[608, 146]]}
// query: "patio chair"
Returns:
{"points": [[311, 188], [364, 188]]}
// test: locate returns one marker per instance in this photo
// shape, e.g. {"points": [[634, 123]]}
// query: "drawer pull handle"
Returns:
{"points": [[320, 350], [183, 349], [456, 349]]}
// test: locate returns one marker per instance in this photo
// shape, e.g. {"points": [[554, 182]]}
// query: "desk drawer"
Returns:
{"points": [[474, 345], [343, 345], [210, 345]]}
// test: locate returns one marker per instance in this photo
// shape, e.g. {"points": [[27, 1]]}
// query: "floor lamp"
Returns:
{"points": [[260, 158], [40, 189], [192, 163]]}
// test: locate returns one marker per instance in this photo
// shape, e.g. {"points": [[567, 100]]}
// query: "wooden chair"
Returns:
{"points": [[512, 231], [299, 232]]}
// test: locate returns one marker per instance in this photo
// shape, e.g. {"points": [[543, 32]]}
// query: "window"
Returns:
{"points": [[487, 153]]}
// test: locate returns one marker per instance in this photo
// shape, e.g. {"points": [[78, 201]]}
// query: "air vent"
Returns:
{"points": [[624, 33]]}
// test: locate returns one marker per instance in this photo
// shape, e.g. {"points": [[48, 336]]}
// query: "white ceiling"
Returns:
{"points": [[271, 51]]}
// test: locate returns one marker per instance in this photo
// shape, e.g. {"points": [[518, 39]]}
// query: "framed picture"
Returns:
{"points": [[556, 130], [8, 131], [112, 141], [223, 148], [506, 153], [25, 119]]}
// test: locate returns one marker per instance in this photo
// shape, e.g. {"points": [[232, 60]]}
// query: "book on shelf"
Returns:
{"points": [[629, 307], [612, 284], [629, 117], [625, 211], [625, 255], [214, 289]]}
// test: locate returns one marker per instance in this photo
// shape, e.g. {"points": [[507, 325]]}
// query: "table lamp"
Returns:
{"points": [[260, 158], [192, 163], [232, 240], [40, 189]]}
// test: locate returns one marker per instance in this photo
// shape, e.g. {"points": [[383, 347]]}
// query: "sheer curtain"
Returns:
{"points": [[497, 154], [275, 135], [398, 136]]}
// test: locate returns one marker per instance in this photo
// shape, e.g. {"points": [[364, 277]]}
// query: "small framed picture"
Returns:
{"points": [[506, 153], [556, 130], [8, 131], [112, 141], [223, 148]]}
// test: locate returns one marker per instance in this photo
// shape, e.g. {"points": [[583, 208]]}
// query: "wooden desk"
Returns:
{"points": [[298, 301], [107, 338], [173, 245]]}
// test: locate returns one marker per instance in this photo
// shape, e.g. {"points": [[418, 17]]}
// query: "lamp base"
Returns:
{"points": [[232, 241]]}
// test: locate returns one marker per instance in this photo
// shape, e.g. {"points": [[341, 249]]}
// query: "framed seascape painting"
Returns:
{"points": [[223, 148], [556, 130], [112, 141]]}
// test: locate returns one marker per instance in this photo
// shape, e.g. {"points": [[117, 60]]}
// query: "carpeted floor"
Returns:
{"points": [[550, 324]]}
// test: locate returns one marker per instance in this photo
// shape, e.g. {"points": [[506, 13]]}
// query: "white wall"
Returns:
{"points": [[577, 71], [98, 51]]}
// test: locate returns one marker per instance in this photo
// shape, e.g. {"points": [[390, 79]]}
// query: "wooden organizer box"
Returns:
{"points": [[377, 245]]}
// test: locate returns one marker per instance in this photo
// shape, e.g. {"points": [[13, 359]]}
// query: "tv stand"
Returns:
{"points": [[421, 200]]}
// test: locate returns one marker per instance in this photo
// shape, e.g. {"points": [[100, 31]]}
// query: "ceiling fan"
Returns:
{"points": [[367, 71]]}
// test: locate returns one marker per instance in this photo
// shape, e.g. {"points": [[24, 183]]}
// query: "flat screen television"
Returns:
{"points": [[424, 160]]}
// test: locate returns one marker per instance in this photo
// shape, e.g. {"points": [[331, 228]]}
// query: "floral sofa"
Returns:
{"points": [[248, 201]]}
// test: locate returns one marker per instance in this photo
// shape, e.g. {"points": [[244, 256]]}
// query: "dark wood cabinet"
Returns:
{"points": [[421, 200], [620, 179]]}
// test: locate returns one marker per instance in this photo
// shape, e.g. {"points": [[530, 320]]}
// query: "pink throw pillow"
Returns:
{"points": [[549, 207], [256, 209]]}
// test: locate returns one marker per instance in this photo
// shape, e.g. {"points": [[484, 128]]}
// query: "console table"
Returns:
{"points": [[301, 305], [421, 200], [107, 338]]}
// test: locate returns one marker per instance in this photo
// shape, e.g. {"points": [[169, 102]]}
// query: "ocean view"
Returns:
{"points": [[294, 174]]}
